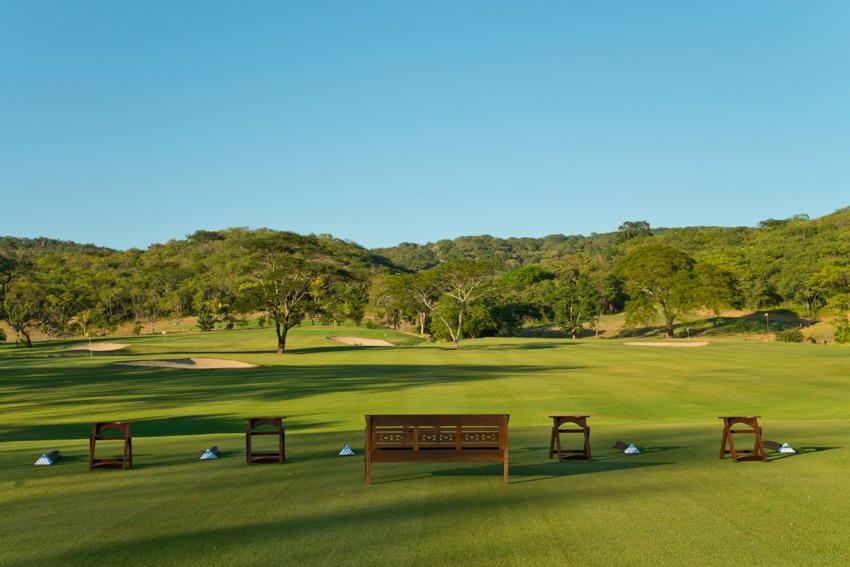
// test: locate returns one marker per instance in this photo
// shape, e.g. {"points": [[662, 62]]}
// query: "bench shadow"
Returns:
{"points": [[555, 469], [807, 450], [616, 453], [518, 474], [777, 456], [67, 459], [815, 449]]}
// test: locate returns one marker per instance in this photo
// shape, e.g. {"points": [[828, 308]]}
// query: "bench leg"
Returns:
{"points": [[368, 465]]}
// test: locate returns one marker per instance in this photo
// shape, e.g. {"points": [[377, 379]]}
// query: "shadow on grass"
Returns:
{"points": [[144, 458], [70, 459], [158, 352], [525, 346], [651, 450], [554, 469], [306, 538], [806, 450], [778, 456], [522, 473], [109, 390]]}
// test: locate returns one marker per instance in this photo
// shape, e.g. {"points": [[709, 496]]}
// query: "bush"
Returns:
{"points": [[790, 336], [206, 322], [842, 333]]}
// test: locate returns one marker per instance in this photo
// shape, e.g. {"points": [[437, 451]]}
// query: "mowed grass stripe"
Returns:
{"points": [[675, 504]]}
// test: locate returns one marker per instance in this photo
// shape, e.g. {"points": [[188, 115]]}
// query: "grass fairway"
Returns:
{"points": [[674, 504]]}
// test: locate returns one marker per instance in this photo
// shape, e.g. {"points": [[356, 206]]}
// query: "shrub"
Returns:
{"points": [[842, 333], [206, 322], [790, 336]]}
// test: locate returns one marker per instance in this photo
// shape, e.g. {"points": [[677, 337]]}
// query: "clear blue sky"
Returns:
{"points": [[127, 123]]}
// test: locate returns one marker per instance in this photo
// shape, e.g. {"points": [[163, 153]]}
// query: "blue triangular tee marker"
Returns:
{"points": [[211, 453]]}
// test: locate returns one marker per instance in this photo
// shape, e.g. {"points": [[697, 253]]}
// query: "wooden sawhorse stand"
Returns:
{"points": [[120, 431], [580, 421], [749, 426], [254, 425]]}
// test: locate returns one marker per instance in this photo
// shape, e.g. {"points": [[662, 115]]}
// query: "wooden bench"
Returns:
{"points": [[436, 438]]}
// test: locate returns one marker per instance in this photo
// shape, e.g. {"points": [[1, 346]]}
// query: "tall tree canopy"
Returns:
{"points": [[661, 278], [18, 303], [446, 292], [449, 289], [58, 288], [287, 276]]}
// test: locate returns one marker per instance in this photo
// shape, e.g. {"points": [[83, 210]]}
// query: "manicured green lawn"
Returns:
{"points": [[674, 504]]}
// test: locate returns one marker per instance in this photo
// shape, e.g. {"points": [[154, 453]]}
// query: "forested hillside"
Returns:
{"points": [[467, 287]]}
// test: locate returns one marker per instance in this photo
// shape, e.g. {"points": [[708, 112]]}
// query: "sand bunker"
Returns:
{"points": [[360, 341], [98, 347], [193, 363], [688, 344]]}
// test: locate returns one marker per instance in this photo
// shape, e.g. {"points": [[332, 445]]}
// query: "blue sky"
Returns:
{"points": [[130, 123]]}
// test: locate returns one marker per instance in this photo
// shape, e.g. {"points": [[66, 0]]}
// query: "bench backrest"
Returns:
{"points": [[437, 438], [437, 431]]}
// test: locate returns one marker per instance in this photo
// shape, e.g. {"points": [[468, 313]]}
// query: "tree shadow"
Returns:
{"points": [[270, 389], [518, 474]]}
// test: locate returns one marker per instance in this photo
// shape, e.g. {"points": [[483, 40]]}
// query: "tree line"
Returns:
{"points": [[467, 287]]}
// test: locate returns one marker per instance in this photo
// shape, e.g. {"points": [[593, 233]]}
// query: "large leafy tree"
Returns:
{"points": [[518, 298], [633, 229], [23, 308], [111, 292], [64, 288], [286, 273], [449, 289], [217, 271], [574, 300], [12, 266], [18, 298], [405, 296], [660, 278]]}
